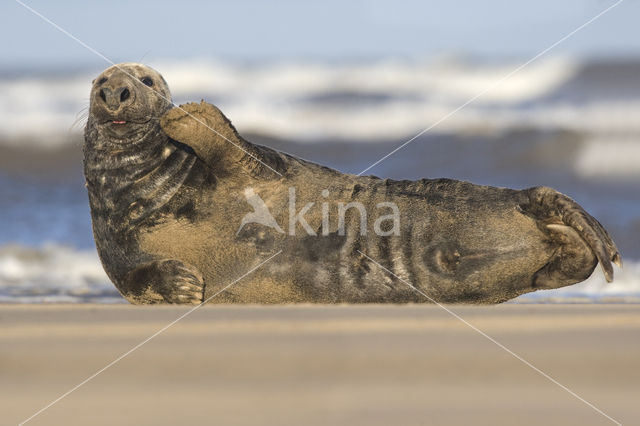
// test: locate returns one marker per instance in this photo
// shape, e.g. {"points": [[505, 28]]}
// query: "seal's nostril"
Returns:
{"points": [[102, 96], [124, 95]]}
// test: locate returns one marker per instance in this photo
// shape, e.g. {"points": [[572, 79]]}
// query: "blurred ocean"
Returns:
{"points": [[573, 125]]}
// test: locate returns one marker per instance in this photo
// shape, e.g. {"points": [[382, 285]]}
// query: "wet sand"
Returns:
{"points": [[316, 365]]}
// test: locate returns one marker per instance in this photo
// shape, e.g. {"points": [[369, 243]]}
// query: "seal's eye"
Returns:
{"points": [[147, 81], [102, 80]]}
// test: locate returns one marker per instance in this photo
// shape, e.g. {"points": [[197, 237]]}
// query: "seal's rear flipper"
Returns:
{"points": [[553, 209], [572, 262]]}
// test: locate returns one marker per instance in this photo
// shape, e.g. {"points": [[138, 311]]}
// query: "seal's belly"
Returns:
{"points": [[491, 253]]}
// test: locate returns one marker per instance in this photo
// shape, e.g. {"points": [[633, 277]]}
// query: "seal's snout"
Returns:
{"points": [[117, 97]]}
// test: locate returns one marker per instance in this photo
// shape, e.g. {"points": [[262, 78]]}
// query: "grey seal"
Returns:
{"points": [[182, 206]]}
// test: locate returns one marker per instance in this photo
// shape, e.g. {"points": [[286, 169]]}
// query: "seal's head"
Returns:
{"points": [[127, 100]]}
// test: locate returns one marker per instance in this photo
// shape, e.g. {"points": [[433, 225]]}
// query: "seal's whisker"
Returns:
{"points": [[81, 119], [143, 56]]}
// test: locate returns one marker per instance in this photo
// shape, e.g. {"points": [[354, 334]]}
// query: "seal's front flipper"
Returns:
{"points": [[210, 133], [163, 281]]}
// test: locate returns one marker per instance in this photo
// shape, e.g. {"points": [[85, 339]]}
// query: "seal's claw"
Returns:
{"points": [[186, 299], [558, 212], [617, 259]]}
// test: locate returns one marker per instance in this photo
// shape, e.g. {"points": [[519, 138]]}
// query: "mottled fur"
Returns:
{"points": [[166, 190]]}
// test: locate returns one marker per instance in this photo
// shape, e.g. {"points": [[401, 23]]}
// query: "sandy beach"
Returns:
{"points": [[292, 365]]}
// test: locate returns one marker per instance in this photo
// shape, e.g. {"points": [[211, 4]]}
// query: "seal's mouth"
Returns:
{"points": [[123, 128], [121, 122]]}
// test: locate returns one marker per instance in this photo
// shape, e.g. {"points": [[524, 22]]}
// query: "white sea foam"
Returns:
{"points": [[53, 273], [381, 100], [59, 274], [453, 81], [609, 157]]}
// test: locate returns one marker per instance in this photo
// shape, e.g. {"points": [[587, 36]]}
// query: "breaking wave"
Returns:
{"points": [[369, 101], [53, 273]]}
